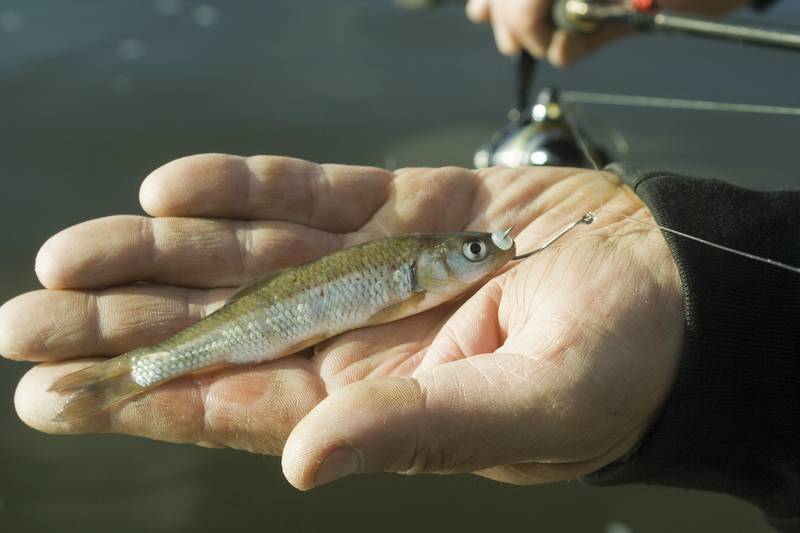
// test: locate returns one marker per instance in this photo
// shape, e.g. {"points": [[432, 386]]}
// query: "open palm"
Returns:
{"points": [[552, 369]]}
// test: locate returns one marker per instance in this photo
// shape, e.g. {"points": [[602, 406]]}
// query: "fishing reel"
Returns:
{"points": [[540, 135]]}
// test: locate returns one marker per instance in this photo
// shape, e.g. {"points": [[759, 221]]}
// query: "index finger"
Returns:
{"points": [[330, 197]]}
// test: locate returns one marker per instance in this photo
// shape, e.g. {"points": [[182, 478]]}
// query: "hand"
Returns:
{"points": [[551, 370], [527, 24]]}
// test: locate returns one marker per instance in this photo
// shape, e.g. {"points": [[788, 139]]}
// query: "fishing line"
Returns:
{"points": [[578, 135], [590, 217], [748, 255], [585, 97]]}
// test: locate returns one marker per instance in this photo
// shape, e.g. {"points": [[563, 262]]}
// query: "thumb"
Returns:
{"points": [[461, 416]]}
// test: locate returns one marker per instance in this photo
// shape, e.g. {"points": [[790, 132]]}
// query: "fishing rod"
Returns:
{"points": [[585, 16], [589, 16]]}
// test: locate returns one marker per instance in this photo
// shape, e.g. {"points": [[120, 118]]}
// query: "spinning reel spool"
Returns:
{"points": [[540, 134]]}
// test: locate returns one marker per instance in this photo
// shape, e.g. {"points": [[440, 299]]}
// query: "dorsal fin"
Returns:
{"points": [[251, 287]]}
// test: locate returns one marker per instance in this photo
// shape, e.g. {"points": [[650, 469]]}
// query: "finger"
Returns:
{"points": [[534, 38], [175, 251], [454, 199], [540, 473], [463, 416], [429, 200], [58, 325], [329, 197], [478, 10], [247, 408], [213, 253], [531, 25], [504, 39], [568, 47]]}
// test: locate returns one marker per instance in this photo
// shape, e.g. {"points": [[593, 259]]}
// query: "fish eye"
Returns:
{"points": [[474, 250]]}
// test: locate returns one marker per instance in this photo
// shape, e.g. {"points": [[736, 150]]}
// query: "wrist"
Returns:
{"points": [[665, 299], [731, 422]]}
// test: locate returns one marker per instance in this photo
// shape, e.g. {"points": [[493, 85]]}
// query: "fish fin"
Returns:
{"points": [[96, 388], [251, 287], [93, 375], [396, 311]]}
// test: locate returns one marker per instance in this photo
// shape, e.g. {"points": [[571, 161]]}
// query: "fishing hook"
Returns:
{"points": [[588, 218]]}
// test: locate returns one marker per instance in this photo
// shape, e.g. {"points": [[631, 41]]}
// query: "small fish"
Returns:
{"points": [[297, 307]]}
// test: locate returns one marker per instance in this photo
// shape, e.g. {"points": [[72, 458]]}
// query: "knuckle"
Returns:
{"points": [[429, 455], [433, 449]]}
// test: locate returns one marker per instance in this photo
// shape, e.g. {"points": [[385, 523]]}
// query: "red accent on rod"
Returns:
{"points": [[644, 5]]}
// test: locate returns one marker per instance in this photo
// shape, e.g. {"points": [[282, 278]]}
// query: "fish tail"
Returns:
{"points": [[96, 388]]}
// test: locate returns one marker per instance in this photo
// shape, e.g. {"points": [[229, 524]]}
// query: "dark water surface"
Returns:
{"points": [[96, 93]]}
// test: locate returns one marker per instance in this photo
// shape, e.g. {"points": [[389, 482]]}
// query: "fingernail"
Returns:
{"points": [[340, 463]]}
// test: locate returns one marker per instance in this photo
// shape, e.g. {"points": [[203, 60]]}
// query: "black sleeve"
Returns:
{"points": [[732, 422]]}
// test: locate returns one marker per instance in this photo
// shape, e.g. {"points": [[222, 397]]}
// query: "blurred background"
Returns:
{"points": [[96, 93]]}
